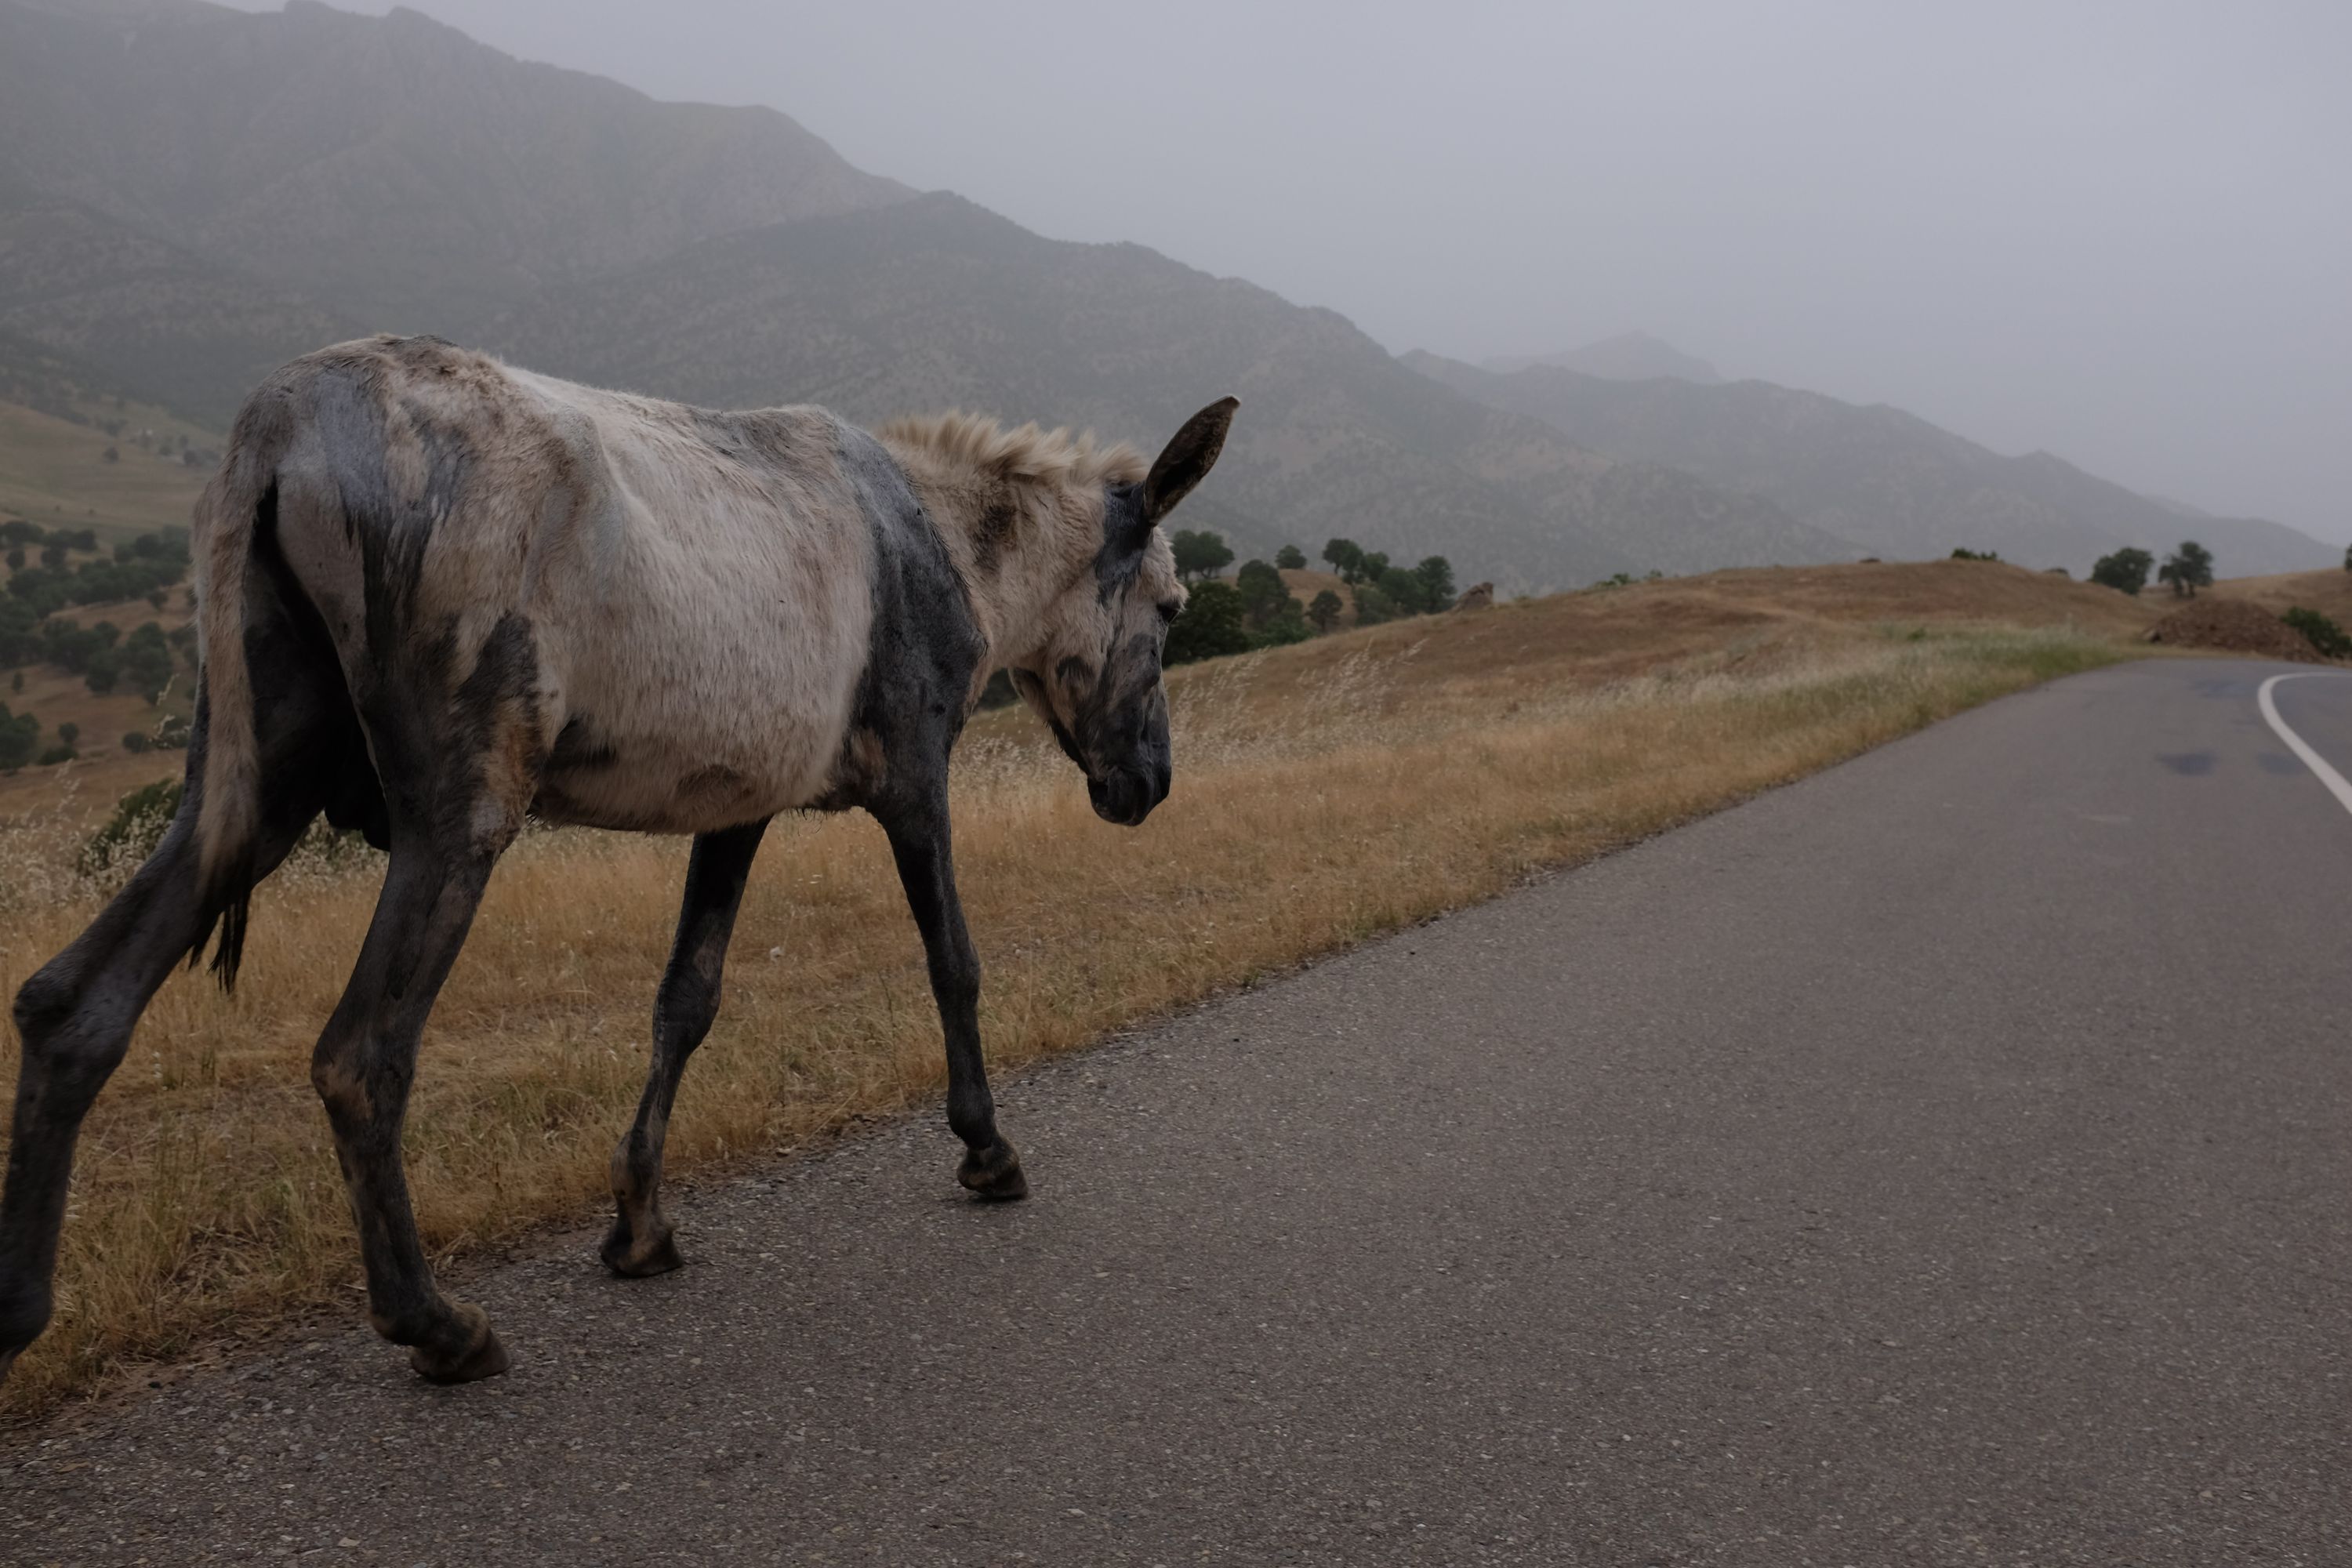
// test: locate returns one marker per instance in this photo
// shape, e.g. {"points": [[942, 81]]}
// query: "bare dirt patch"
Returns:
{"points": [[2233, 626]]}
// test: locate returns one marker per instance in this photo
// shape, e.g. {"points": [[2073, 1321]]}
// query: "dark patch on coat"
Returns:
{"points": [[1119, 561], [924, 652], [999, 525]]}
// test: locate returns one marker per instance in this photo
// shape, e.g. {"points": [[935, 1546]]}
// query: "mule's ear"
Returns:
{"points": [[1187, 459]]}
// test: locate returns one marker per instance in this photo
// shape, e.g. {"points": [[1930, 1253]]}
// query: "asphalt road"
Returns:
{"points": [[1942, 1161]]}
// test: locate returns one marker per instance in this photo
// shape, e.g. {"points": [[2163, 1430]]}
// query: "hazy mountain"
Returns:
{"points": [[1886, 479], [936, 301], [189, 194], [1628, 356], [390, 165]]}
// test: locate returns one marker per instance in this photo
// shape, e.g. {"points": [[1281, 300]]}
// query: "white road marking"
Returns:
{"points": [[2336, 782]]}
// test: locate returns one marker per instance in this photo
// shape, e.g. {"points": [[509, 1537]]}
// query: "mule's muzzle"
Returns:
{"points": [[1126, 796]]}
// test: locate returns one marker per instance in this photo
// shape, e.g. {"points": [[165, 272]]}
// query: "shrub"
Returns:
{"points": [[2322, 633], [131, 835], [54, 755], [20, 736], [1964, 553], [137, 741]]}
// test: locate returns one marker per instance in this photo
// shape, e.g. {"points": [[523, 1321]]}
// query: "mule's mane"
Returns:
{"points": [[976, 442]]}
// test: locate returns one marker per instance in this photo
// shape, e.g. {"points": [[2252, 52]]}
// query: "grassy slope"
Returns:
{"points": [[1325, 792], [54, 472], [2329, 592]]}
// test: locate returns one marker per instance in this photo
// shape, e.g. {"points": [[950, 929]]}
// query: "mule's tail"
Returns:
{"points": [[241, 501]]}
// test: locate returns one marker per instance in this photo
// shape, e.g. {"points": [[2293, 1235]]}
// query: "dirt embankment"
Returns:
{"points": [[2233, 626]]}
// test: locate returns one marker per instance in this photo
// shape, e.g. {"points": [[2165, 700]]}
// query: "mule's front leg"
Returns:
{"points": [[918, 841], [640, 1241]]}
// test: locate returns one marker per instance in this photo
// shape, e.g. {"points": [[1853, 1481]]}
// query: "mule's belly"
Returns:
{"points": [[664, 733], [654, 786]]}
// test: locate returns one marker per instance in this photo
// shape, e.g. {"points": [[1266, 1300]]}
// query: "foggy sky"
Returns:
{"points": [[2122, 233]]}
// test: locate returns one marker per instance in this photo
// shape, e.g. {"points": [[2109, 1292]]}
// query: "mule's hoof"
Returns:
{"points": [[993, 1174], [482, 1355], [631, 1259]]}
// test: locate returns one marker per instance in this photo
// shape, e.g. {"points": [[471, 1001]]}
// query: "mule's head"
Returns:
{"points": [[1095, 676]]}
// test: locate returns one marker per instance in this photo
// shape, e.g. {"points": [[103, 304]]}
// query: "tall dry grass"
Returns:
{"points": [[1323, 795]]}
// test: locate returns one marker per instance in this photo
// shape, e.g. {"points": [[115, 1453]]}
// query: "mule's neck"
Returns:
{"points": [[1018, 545]]}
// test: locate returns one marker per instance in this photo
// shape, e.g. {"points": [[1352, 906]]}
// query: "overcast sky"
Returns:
{"points": [[2119, 232]]}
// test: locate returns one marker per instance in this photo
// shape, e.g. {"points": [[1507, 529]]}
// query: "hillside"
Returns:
{"points": [[392, 164], [1628, 356], [1890, 481], [936, 301], [2329, 592], [189, 195]]}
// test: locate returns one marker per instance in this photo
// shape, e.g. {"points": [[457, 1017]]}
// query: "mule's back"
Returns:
{"points": [[683, 600]]}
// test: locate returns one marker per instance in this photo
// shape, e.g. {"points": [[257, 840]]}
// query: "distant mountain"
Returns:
{"points": [[190, 194], [1888, 481], [1628, 356], [936, 301], [391, 166]]}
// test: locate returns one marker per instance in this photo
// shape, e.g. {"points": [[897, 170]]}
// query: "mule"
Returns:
{"points": [[438, 596]]}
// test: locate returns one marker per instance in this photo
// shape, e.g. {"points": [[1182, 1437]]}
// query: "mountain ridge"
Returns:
{"points": [[1885, 478]]}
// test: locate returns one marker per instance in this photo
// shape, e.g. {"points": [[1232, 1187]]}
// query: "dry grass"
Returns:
{"points": [[1325, 792], [55, 472], [2329, 592]]}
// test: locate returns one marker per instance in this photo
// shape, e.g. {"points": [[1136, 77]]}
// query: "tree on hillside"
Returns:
{"points": [[1371, 565], [1374, 606], [1211, 626], [1201, 554], [1405, 588], [1262, 590], [2347, 558], [1286, 624], [2125, 570], [1290, 558], [1325, 611], [1436, 574], [2188, 569], [1346, 557]]}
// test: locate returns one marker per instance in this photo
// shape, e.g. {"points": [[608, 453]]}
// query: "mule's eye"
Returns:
{"points": [[1169, 611]]}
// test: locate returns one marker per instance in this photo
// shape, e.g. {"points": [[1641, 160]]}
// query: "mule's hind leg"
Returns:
{"points": [[76, 1014], [641, 1241], [363, 1066], [75, 1017]]}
